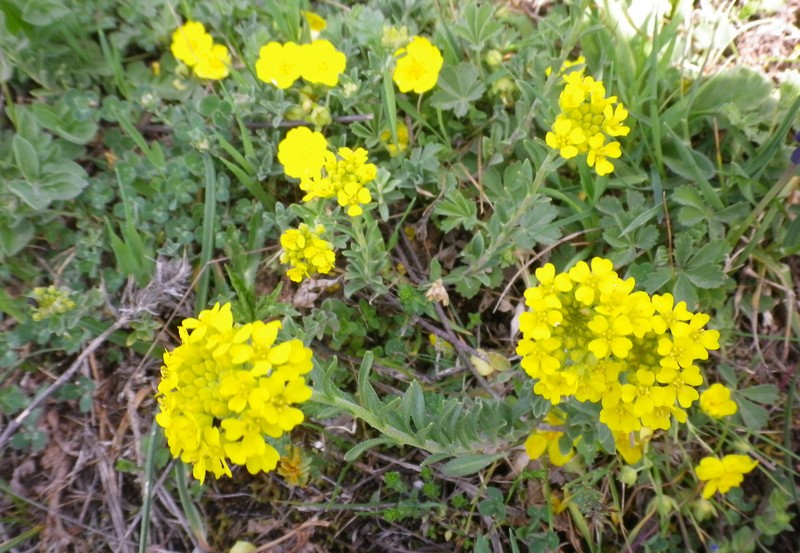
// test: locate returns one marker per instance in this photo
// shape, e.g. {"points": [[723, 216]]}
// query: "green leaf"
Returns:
{"points": [[26, 157], [705, 276], [459, 87], [30, 193], [479, 25], [684, 291], [366, 393], [414, 404], [746, 88], [44, 12], [754, 416], [469, 464], [713, 252], [62, 122], [14, 238], [763, 393], [683, 249], [457, 210], [356, 451]]}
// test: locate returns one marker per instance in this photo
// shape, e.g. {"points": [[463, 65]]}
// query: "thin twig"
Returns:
{"points": [[60, 381]]}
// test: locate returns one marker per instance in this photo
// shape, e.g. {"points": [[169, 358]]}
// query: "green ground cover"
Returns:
{"points": [[404, 275]]}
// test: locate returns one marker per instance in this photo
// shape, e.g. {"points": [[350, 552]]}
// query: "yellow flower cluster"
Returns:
{"points": [[192, 45], [402, 140], [723, 474], [282, 64], [51, 301], [589, 335], [305, 155], [586, 122], [418, 66], [226, 387], [306, 252]]}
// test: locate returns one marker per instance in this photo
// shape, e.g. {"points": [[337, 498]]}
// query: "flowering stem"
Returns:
{"points": [[372, 419]]}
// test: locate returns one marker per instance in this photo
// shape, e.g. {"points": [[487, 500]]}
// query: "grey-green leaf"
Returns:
{"points": [[459, 87], [468, 464], [26, 157]]}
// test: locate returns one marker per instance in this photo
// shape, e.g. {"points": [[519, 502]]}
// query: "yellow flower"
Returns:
{"points": [[564, 137], [599, 152], [352, 195], [613, 120], [716, 402], [225, 388], [306, 252], [588, 334], [302, 153], [279, 64], [214, 64], [321, 63], [631, 445], [418, 66], [190, 43], [316, 23], [548, 440], [402, 140], [722, 475], [586, 120]]}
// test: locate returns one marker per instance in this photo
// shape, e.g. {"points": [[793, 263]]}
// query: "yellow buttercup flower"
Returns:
{"points": [[321, 63], [418, 66], [716, 402], [214, 64], [227, 389], [279, 64], [190, 43], [720, 475], [316, 23], [302, 153]]}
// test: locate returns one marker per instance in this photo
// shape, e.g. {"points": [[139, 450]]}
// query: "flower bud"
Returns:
{"points": [[493, 58], [628, 476]]}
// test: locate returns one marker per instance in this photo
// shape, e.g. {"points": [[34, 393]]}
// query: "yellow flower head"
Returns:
{"points": [[587, 333], [716, 402], [321, 63], [279, 64], [51, 301], [723, 474], [402, 140], [226, 388], [214, 64], [418, 66], [302, 153], [345, 178], [587, 120], [190, 43], [306, 252]]}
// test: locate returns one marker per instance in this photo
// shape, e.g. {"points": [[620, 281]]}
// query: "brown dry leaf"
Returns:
{"points": [[311, 289]]}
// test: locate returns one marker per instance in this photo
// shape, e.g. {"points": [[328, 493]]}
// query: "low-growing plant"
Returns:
{"points": [[487, 280]]}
